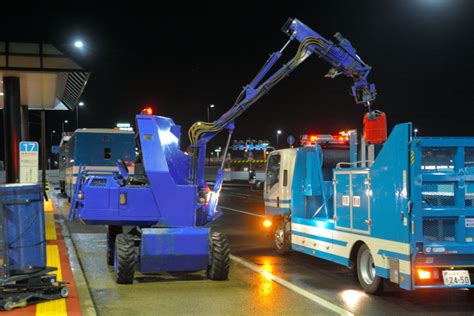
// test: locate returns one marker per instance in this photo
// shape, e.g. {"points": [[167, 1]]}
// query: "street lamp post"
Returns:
{"points": [[80, 104], [416, 131], [51, 148], [64, 122], [278, 137], [209, 112], [51, 137]]}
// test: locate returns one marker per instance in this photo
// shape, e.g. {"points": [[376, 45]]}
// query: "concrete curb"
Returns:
{"points": [[85, 299]]}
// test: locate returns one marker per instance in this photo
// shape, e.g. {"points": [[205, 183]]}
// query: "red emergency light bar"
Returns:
{"points": [[311, 140]]}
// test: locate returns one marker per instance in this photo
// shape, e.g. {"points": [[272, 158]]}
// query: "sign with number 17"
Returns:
{"points": [[29, 157]]}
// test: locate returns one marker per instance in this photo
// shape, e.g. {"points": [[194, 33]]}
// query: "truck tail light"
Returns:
{"points": [[423, 274]]}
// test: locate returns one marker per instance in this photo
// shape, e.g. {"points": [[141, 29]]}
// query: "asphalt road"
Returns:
{"points": [[310, 284], [327, 280]]}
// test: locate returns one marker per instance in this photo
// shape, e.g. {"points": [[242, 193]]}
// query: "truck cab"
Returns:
{"points": [[278, 179], [299, 181]]}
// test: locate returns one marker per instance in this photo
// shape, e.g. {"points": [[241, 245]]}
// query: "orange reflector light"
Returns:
{"points": [[267, 223], [423, 274]]}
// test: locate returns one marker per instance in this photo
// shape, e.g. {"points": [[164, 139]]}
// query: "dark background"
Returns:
{"points": [[183, 58]]}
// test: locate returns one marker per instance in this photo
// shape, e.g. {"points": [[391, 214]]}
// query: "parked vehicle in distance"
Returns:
{"points": [[95, 149]]}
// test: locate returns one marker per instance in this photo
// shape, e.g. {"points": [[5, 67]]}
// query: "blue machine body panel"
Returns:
{"points": [[174, 249], [24, 217], [167, 199], [167, 170], [413, 207]]}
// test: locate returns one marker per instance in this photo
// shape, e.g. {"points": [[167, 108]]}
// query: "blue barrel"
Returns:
{"points": [[24, 218]]}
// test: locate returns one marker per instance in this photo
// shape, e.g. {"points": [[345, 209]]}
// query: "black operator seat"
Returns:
{"points": [[139, 177]]}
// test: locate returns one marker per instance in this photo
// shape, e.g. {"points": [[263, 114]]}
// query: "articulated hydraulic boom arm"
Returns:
{"points": [[341, 56]]}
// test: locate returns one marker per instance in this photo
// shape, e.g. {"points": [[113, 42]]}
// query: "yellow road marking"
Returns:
{"points": [[55, 307], [50, 227]]}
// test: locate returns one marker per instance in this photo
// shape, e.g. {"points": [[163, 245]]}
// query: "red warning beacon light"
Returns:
{"points": [[147, 110], [375, 127]]}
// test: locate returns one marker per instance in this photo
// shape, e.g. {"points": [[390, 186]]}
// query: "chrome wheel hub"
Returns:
{"points": [[367, 267]]}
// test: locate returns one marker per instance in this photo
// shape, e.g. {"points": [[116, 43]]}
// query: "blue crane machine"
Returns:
{"points": [[167, 199]]}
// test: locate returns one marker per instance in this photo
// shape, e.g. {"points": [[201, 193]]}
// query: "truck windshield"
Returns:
{"points": [[273, 171]]}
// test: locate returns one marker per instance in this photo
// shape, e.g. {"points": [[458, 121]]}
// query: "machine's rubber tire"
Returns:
{"points": [[282, 237], [64, 291], [354, 272], [124, 259], [370, 282], [8, 306], [112, 232], [218, 268]]}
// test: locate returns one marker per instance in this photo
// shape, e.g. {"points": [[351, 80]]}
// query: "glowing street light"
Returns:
{"points": [[78, 44], [65, 122], [278, 133], [208, 112], [80, 104], [416, 131]]}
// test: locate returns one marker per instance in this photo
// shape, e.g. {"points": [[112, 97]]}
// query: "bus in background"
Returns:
{"points": [[96, 149]]}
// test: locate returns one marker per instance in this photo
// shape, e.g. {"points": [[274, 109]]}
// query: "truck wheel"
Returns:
{"points": [[218, 268], [370, 282], [124, 259], [112, 232], [282, 237]]}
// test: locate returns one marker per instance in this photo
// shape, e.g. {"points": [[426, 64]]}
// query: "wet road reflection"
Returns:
{"points": [[332, 282]]}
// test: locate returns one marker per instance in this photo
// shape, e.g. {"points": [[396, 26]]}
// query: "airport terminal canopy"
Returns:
{"points": [[49, 79]]}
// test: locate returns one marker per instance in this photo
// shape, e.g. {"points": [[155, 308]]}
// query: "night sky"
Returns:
{"points": [[185, 58]]}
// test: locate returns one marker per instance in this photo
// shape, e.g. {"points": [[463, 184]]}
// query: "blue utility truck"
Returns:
{"points": [[405, 213], [94, 148]]}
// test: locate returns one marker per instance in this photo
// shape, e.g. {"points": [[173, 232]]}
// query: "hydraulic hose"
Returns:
{"points": [[240, 105]]}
